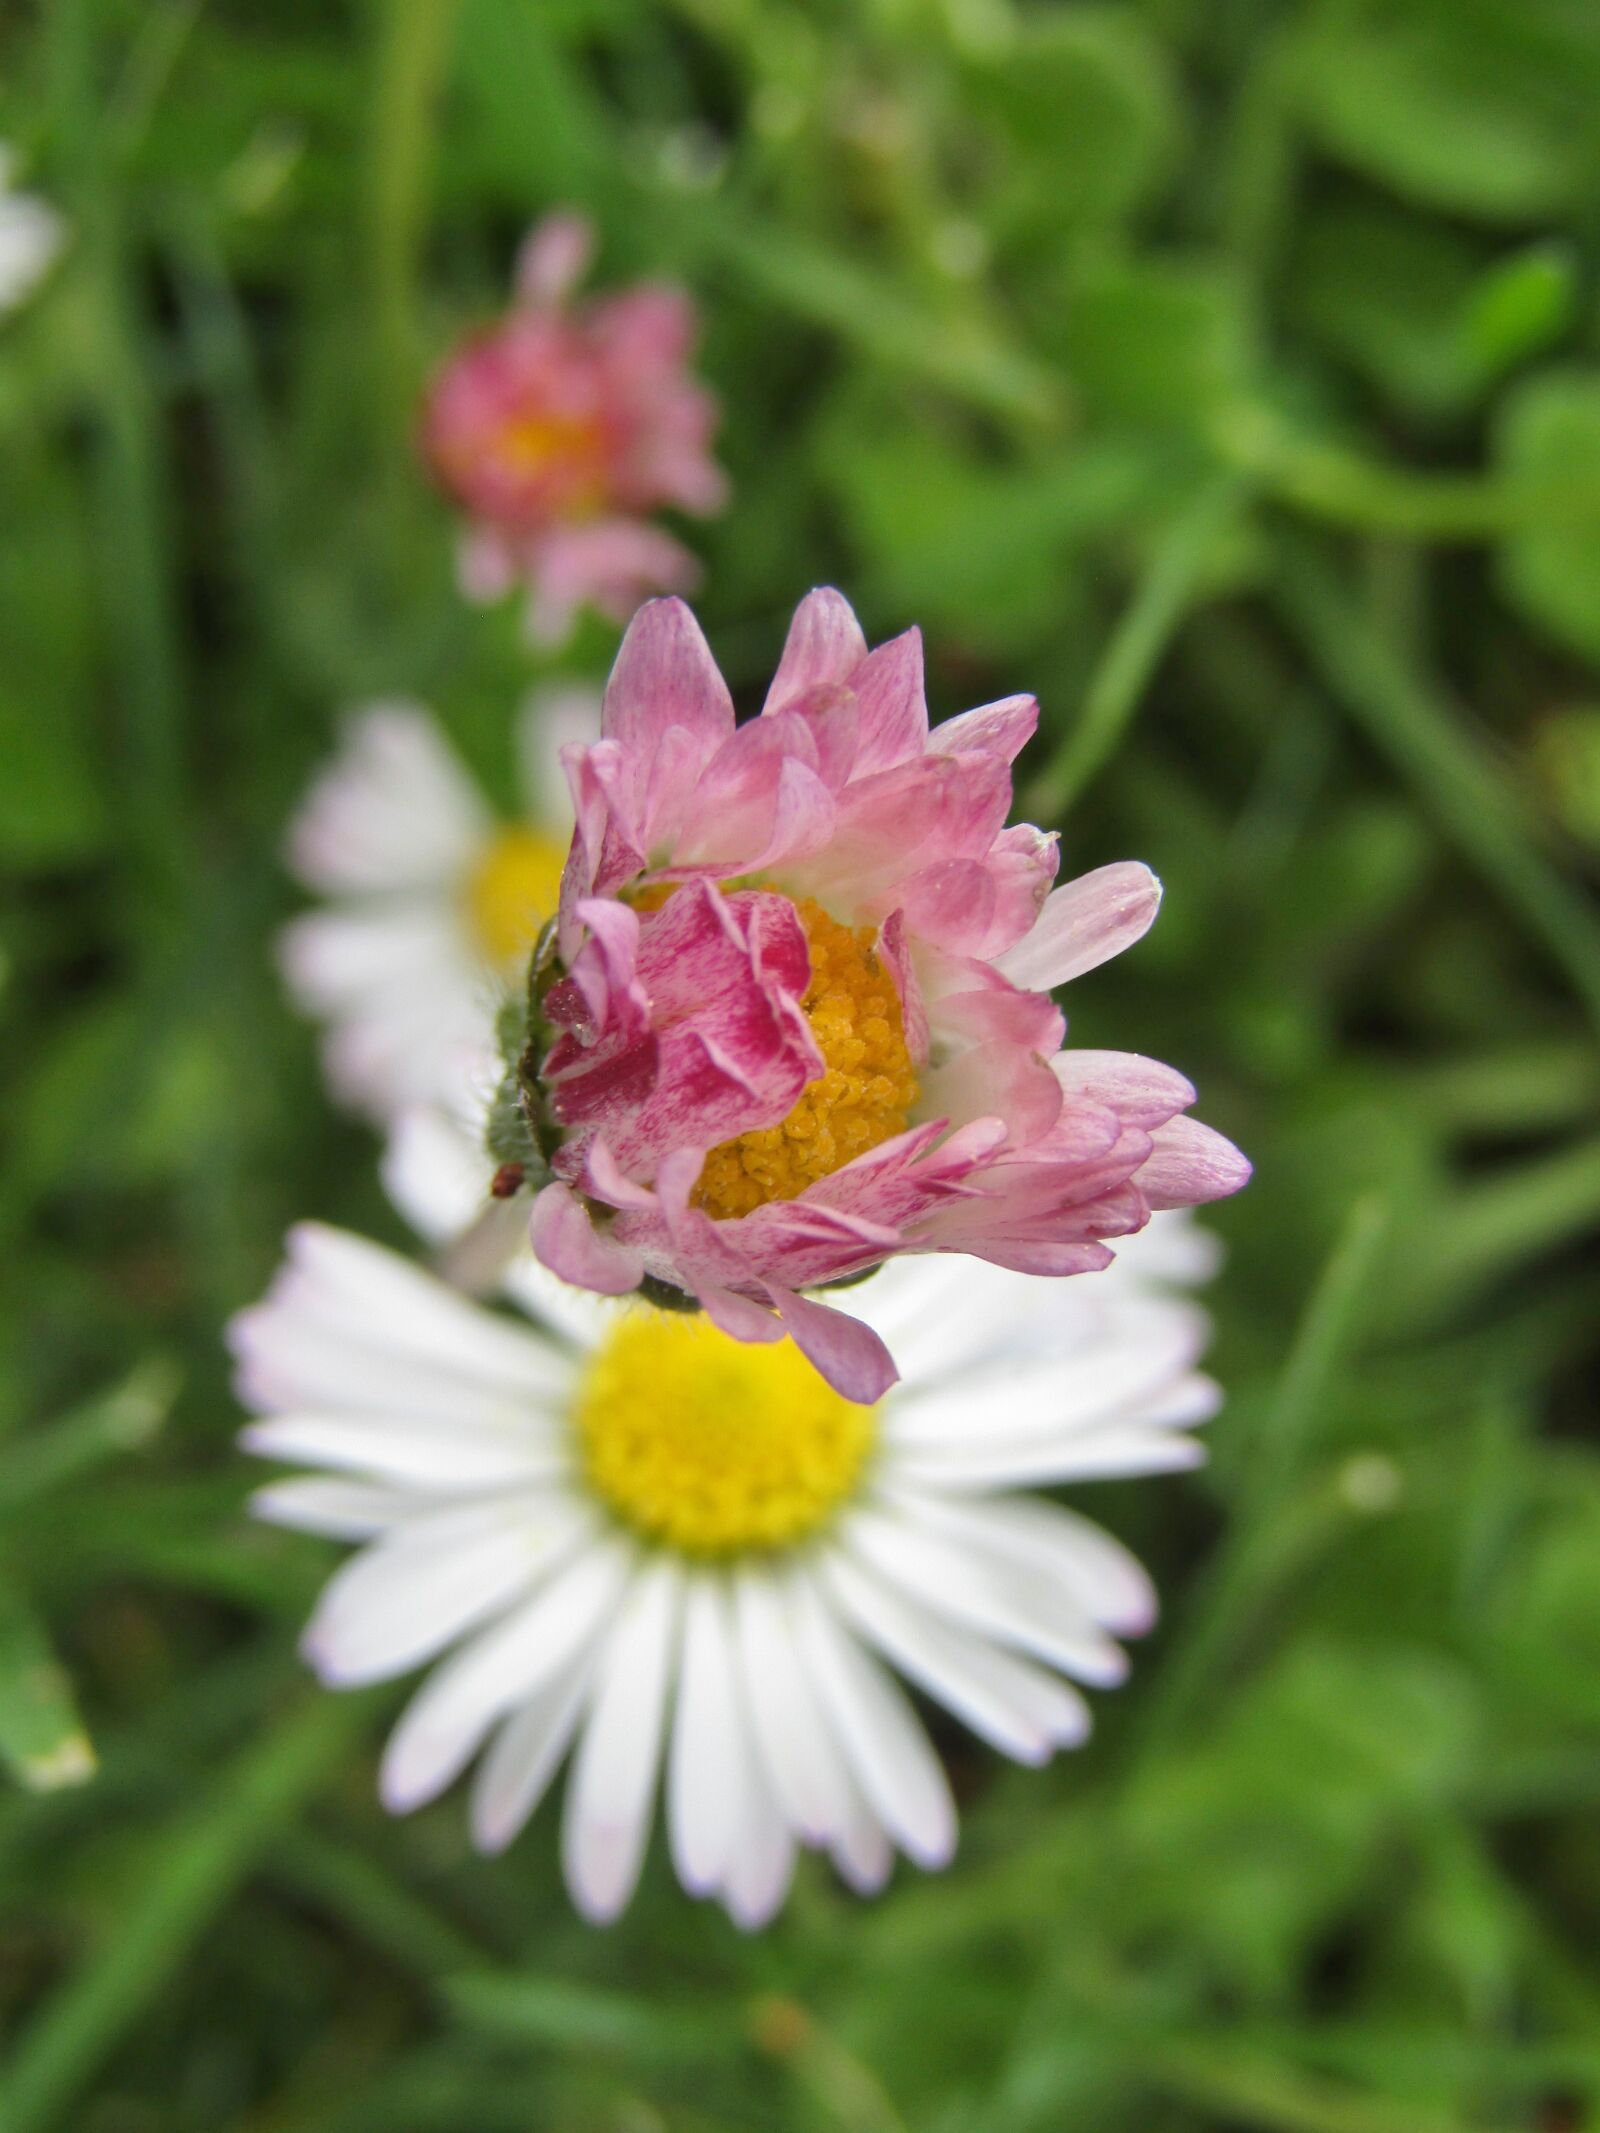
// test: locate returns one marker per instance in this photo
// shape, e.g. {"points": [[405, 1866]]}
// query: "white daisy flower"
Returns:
{"points": [[621, 1533], [31, 236], [433, 903]]}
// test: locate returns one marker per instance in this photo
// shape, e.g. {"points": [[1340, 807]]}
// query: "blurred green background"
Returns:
{"points": [[1228, 371]]}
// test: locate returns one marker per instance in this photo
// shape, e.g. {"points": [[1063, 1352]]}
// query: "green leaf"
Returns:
{"points": [[1550, 427], [42, 1740], [1158, 341]]}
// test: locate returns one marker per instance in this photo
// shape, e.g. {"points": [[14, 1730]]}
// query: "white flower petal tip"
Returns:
{"points": [[497, 1545]]}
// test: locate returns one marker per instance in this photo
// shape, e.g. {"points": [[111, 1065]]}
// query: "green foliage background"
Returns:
{"points": [[1229, 372]]}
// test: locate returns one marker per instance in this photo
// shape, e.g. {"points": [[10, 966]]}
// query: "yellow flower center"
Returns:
{"points": [[567, 453], [711, 1446], [863, 1097], [513, 889]]}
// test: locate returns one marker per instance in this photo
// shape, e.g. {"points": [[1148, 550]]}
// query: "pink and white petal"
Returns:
{"points": [[995, 1081], [1190, 1163], [611, 1788], [892, 706], [665, 676], [1141, 1091], [553, 258], [847, 1353], [1003, 729], [566, 1240], [1083, 924], [824, 647]]}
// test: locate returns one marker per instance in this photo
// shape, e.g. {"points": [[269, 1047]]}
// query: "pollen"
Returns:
{"points": [[863, 1097], [512, 890], [706, 1445]]}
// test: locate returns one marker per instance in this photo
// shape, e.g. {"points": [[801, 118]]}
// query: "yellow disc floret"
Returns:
{"points": [[512, 890], [710, 1446], [863, 1097]]}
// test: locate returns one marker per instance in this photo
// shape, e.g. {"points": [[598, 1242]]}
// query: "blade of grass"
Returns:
{"points": [[1407, 721], [42, 1739], [1135, 647], [191, 1869]]}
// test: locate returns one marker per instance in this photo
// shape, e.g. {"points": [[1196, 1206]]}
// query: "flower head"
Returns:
{"points": [[799, 1018], [31, 236], [560, 432], [434, 905], [620, 1533]]}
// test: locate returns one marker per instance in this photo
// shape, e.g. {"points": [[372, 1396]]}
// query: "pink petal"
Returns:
{"points": [[847, 1353], [1083, 924], [1003, 729], [554, 258], [894, 710], [567, 1242], [996, 1081], [1142, 1091], [665, 676], [824, 644], [1189, 1164]]}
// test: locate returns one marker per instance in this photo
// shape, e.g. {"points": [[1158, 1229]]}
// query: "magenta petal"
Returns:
{"points": [[847, 1353], [1003, 729], [665, 676], [824, 644], [567, 1242], [1083, 924], [893, 707], [1190, 1163]]}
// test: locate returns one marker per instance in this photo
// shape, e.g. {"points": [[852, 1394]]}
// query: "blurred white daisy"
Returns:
{"points": [[621, 1533], [433, 903], [31, 235]]}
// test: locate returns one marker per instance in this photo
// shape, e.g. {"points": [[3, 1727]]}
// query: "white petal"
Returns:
{"points": [[862, 1853], [762, 1864], [1017, 1708], [406, 1596], [552, 718], [883, 1743], [339, 1510], [442, 1456], [612, 1786], [578, 1315], [1110, 1585], [707, 1772], [1118, 1451], [358, 1286], [441, 1727], [792, 1738], [524, 1756], [1007, 1603], [394, 811], [1105, 1378], [436, 1171]]}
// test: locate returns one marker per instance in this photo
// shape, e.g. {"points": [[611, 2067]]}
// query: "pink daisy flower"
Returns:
{"points": [[799, 1016], [562, 429]]}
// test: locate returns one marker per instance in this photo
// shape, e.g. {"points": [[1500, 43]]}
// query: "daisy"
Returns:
{"points": [[433, 904], [31, 236], [617, 1535], [562, 430], [799, 1020]]}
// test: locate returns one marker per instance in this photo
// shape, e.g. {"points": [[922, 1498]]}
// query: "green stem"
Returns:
{"points": [[1135, 647]]}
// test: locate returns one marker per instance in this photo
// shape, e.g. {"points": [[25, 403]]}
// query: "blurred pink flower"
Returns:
{"points": [[560, 430], [804, 1018]]}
